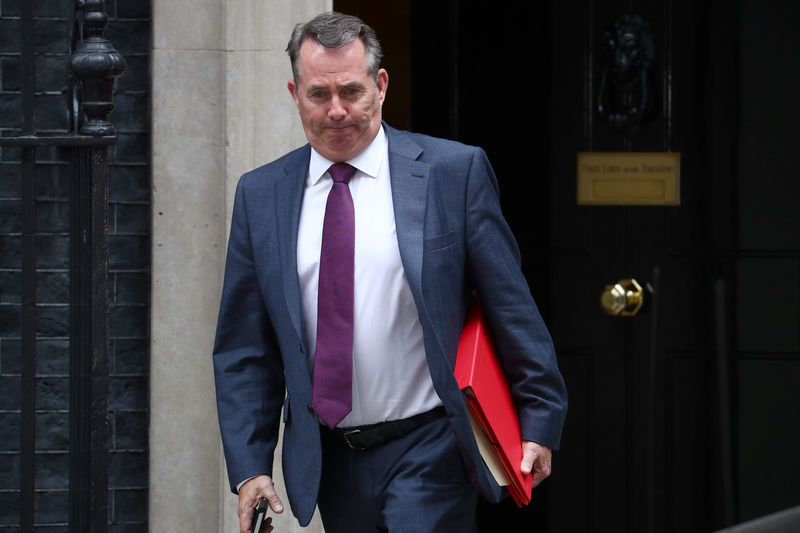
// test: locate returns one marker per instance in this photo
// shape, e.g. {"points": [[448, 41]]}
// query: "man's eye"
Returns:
{"points": [[317, 94]]}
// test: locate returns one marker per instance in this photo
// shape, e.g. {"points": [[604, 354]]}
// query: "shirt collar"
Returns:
{"points": [[368, 161]]}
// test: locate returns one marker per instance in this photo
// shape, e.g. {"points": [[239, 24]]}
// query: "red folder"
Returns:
{"points": [[488, 397]]}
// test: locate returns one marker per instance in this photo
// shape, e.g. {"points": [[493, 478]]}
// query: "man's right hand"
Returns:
{"points": [[249, 494]]}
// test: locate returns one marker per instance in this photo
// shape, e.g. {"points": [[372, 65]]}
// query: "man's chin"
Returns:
{"points": [[336, 152], [340, 143], [339, 138]]}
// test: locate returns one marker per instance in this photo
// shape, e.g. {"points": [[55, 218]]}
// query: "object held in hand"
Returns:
{"points": [[259, 516]]}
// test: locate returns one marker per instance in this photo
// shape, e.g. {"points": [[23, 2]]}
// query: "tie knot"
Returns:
{"points": [[341, 172]]}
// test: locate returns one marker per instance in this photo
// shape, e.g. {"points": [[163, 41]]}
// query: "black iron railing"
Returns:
{"points": [[94, 67]]}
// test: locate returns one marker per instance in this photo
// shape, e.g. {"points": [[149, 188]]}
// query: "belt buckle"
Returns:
{"points": [[353, 445]]}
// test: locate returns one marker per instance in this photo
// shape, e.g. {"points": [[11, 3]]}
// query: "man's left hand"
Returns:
{"points": [[536, 458]]}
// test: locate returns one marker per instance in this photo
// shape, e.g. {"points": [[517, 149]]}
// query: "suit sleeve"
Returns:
{"points": [[248, 371], [523, 342]]}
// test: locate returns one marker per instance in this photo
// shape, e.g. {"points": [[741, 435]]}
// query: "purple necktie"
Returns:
{"points": [[333, 358]]}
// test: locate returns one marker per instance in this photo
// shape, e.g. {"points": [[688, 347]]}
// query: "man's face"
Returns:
{"points": [[338, 101]]}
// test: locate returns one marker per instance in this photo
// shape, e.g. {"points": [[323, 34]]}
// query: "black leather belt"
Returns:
{"points": [[363, 437]]}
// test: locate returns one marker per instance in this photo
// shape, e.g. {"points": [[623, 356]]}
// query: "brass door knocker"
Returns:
{"points": [[625, 97]]}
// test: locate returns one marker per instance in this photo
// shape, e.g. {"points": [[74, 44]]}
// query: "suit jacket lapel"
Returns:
{"points": [[409, 196], [288, 199], [410, 179]]}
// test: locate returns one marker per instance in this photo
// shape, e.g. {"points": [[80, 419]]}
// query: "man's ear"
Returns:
{"points": [[292, 90], [382, 81]]}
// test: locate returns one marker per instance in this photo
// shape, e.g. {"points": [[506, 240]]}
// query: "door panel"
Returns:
{"points": [[647, 437]]}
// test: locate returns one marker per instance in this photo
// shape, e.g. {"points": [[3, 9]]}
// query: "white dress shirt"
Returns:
{"points": [[391, 379]]}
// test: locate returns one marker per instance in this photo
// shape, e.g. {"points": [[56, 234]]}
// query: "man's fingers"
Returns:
{"points": [[245, 520], [266, 526], [249, 495], [266, 489], [537, 459], [245, 511], [529, 456], [274, 502], [541, 471], [527, 463]]}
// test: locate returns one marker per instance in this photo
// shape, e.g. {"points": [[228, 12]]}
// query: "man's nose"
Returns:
{"points": [[337, 110]]}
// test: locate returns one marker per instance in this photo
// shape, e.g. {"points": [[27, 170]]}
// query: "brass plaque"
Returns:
{"points": [[629, 178]]}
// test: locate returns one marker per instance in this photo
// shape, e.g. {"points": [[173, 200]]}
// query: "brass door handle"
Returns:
{"points": [[624, 298]]}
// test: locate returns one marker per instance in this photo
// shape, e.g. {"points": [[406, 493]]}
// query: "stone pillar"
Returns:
{"points": [[220, 108]]}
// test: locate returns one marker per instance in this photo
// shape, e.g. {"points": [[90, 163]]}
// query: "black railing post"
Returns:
{"points": [[88, 344], [96, 65]]}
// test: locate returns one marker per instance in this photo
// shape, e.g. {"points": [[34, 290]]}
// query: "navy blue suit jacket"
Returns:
{"points": [[453, 239]]}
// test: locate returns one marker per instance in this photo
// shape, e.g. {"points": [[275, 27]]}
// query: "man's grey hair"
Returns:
{"points": [[336, 30]]}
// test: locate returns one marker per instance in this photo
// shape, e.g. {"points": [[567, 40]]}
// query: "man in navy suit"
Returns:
{"points": [[428, 232]]}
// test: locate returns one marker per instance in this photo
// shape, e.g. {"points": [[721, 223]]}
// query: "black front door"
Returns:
{"points": [[648, 442]]}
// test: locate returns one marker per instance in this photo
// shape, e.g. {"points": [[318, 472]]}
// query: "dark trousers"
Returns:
{"points": [[413, 484]]}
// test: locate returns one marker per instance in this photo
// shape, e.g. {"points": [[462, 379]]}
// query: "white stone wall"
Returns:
{"points": [[220, 108]]}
